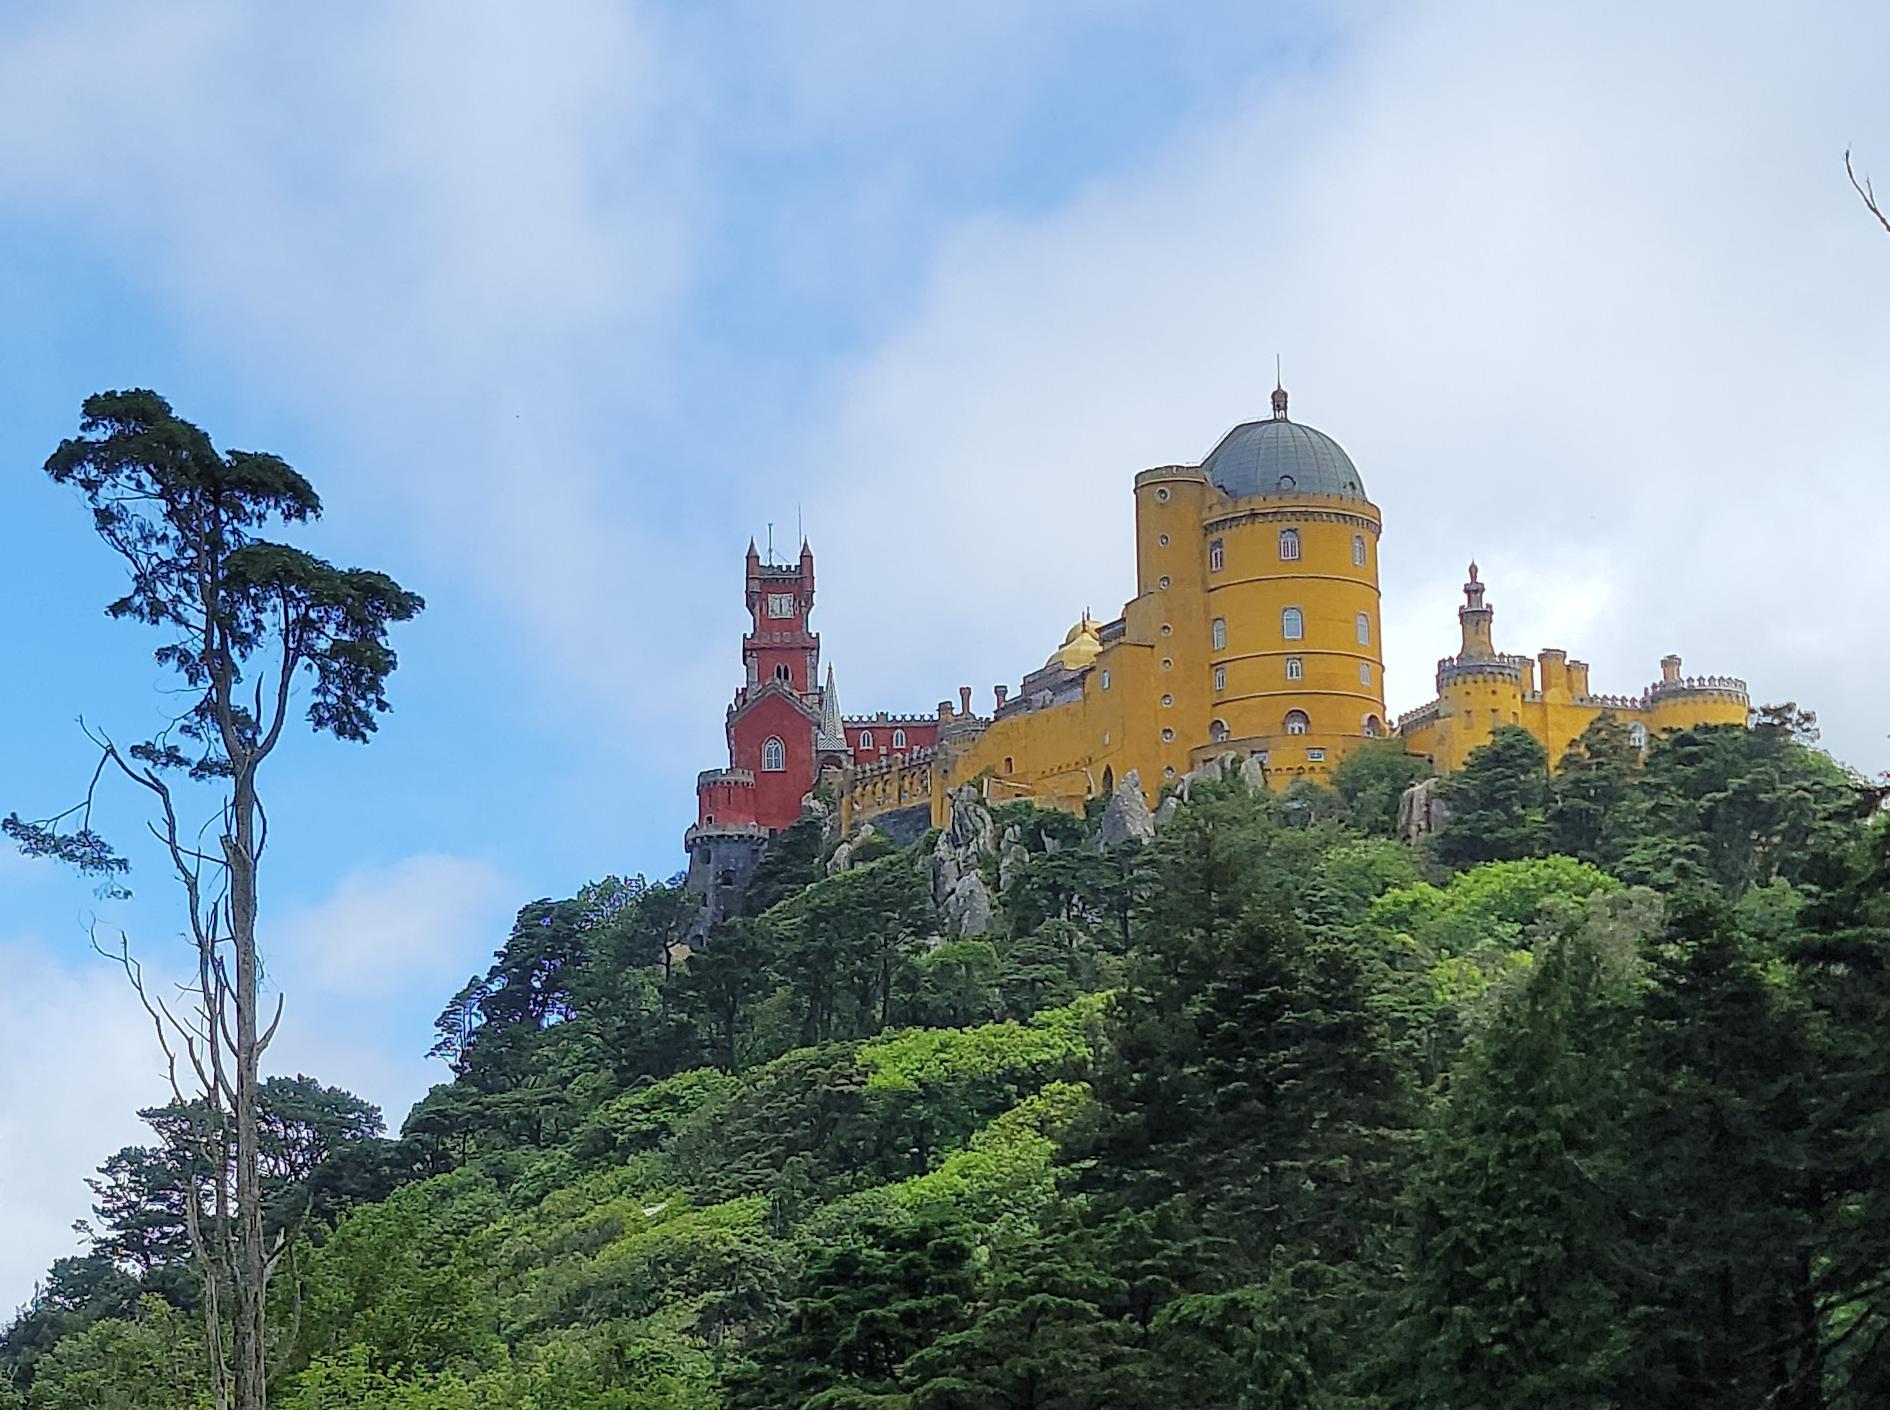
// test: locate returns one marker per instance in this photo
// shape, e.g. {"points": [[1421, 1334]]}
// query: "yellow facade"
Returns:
{"points": [[1480, 688], [1254, 629]]}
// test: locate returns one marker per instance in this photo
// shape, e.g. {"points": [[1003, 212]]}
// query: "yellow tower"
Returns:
{"points": [[1289, 607]]}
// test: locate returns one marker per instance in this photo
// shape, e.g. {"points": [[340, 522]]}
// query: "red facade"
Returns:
{"points": [[775, 725]]}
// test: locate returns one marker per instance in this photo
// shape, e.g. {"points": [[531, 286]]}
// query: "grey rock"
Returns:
{"points": [[969, 909], [1421, 812], [1126, 818], [1170, 806], [1253, 775]]}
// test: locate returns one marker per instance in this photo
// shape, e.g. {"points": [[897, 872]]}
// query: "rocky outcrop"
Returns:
{"points": [[957, 866], [1421, 811], [843, 855], [969, 909], [1013, 859], [1126, 817], [1164, 814], [1253, 775], [825, 813]]}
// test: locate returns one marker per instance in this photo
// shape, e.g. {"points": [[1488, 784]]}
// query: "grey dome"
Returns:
{"points": [[1279, 457]]}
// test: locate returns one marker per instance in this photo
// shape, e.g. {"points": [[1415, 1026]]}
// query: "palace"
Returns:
{"points": [[1254, 629]]}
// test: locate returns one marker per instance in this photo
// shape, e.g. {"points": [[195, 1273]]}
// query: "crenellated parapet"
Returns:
{"points": [[886, 785], [1454, 670], [1721, 687]]}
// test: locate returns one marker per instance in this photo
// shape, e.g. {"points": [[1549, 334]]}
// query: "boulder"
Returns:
{"points": [[969, 909], [842, 858], [1421, 811], [1253, 775], [1170, 806], [1126, 818]]}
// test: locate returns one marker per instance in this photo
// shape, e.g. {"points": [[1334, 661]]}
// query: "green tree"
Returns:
{"points": [[1591, 791], [1372, 779], [243, 619], [149, 1361], [861, 1310], [1496, 802], [1516, 1209]]}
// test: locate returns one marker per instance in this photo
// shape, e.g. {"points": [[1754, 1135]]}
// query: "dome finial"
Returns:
{"points": [[1279, 391]]}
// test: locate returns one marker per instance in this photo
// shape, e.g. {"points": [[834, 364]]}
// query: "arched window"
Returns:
{"points": [[1217, 556], [1289, 543], [1105, 678], [1219, 632], [783, 674], [1109, 779], [773, 755], [899, 739], [1364, 672], [1220, 678], [866, 739], [1296, 722], [1364, 629], [1295, 668], [1358, 549], [1373, 727], [1292, 624], [1217, 731], [1010, 764], [1637, 735]]}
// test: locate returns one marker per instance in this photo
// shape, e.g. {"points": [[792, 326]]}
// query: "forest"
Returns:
{"points": [[1582, 1101]]}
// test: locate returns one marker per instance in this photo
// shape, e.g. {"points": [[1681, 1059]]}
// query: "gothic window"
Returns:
{"points": [[773, 755], [1373, 728], [1289, 544], [1217, 556], [866, 739], [1220, 633], [1217, 731], [1292, 624], [1010, 764], [1295, 668], [783, 674], [899, 739], [1296, 722], [1358, 549], [780, 604], [1220, 678], [1364, 629]]}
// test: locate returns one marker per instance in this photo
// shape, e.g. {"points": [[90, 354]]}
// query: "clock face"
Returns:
{"points": [[780, 604]]}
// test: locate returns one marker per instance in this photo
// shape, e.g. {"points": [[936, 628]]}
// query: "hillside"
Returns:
{"points": [[1582, 1101]]}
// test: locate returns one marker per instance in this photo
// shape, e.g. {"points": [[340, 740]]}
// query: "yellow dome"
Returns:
{"points": [[1081, 645]]}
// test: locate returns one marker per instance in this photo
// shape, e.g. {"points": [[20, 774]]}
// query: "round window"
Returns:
{"points": [[1163, 540], [1162, 495]]}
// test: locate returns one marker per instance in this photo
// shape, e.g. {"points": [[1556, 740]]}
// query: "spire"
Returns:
{"points": [[1279, 391], [1475, 619], [832, 736]]}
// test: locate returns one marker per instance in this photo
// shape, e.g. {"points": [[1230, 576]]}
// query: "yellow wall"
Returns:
{"points": [[1149, 701]]}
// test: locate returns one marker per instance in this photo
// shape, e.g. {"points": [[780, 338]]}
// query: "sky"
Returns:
{"points": [[557, 304]]}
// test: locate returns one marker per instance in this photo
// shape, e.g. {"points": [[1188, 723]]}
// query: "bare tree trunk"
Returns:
{"points": [[249, 1334]]}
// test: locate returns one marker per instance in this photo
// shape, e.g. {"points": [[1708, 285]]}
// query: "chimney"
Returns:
{"points": [[1669, 669], [1001, 691], [964, 700], [944, 711]]}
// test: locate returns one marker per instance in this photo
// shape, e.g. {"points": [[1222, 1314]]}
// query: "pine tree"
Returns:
{"points": [[1496, 802], [1517, 1256]]}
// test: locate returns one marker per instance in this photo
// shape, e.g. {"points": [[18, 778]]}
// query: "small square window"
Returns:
{"points": [[1315, 756], [780, 604]]}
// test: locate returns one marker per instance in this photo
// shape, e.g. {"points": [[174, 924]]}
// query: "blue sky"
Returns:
{"points": [[557, 304]]}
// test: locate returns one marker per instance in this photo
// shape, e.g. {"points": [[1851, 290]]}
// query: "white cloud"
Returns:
{"points": [[1582, 291], [77, 1061], [385, 930]]}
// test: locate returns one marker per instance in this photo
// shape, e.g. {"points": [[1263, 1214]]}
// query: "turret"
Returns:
{"points": [[1475, 619]]}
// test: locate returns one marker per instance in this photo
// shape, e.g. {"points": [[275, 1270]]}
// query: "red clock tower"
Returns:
{"points": [[782, 730]]}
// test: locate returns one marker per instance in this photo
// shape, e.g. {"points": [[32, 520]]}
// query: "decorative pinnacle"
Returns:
{"points": [[1279, 391]]}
